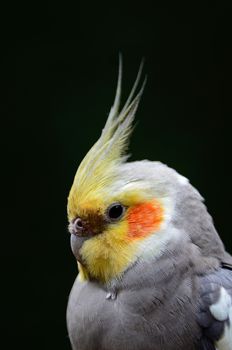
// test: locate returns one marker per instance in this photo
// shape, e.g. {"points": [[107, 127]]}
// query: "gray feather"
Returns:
{"points": [[160, 303]]}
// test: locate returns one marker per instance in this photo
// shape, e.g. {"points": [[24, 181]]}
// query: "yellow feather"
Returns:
{"points": [[92, 190], [98, 169], [101, 253], [83, 273]]}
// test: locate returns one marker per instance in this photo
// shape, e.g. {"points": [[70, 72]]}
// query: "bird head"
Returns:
{"points": [[119, 211]]}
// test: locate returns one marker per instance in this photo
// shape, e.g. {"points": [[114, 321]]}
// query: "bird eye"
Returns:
{"points": [[115, 211]]}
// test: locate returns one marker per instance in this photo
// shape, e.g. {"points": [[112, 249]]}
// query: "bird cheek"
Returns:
{"points": [[144, 219]]}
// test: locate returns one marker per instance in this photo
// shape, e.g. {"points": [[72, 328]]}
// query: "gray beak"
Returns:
{"points": [[76, 244]]}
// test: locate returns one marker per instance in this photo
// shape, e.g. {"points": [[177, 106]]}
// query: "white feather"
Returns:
{"points": [[222, 311]]}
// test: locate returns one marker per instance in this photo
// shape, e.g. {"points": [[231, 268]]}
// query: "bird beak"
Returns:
{"points": [[76, 244], [80, 232]]}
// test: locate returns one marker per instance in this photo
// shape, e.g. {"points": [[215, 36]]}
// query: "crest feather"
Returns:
{"points": [[98, 168]]}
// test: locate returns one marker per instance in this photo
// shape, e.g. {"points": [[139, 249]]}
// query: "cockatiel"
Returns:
{"points": [[153, 272]]}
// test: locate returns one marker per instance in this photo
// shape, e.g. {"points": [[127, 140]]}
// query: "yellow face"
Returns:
{"points": [[115, 228], [107, 229]]}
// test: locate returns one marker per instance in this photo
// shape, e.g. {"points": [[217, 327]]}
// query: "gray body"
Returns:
{"points": [[161, 303]]}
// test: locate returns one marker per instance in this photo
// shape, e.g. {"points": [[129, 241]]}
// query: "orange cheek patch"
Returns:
{"points": [[145, 218]]}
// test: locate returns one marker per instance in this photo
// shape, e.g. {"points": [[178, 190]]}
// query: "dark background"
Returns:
{"points": [[59, 74]]}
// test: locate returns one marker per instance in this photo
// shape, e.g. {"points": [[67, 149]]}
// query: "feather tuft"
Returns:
{"points": [[99, 167]]}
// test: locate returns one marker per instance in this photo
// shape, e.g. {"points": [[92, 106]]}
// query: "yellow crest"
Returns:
{"points": [[98, 169]]}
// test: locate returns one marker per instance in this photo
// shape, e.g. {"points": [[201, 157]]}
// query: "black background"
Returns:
{"points": [[59, 74]]}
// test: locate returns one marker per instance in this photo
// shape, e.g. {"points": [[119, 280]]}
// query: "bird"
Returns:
{"points": [[153, 271]]}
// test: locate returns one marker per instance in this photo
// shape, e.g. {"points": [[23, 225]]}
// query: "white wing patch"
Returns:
{"points": [[222, 311]]}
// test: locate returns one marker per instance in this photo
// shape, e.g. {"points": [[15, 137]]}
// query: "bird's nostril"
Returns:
{"points": [[78, 224]]}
